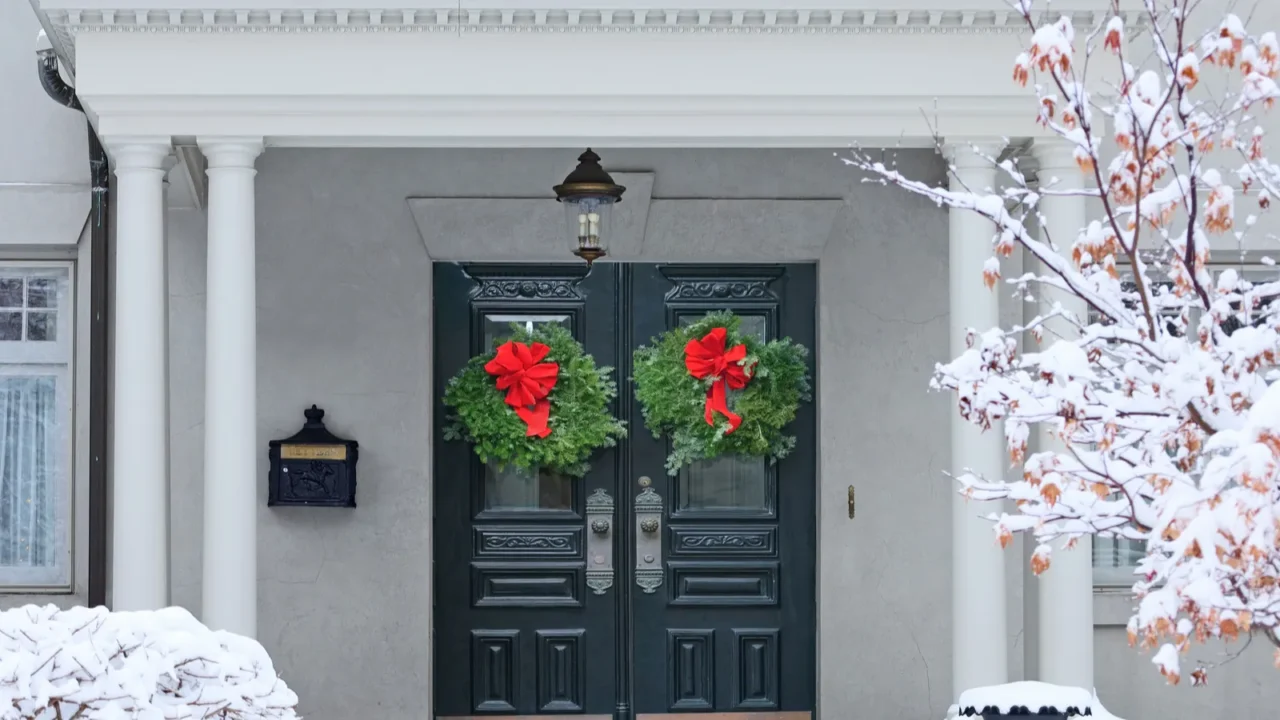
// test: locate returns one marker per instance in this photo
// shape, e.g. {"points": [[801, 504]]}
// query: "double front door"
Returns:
{"points": [[627, 592]]}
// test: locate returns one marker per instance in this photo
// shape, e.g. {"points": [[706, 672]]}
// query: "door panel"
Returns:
{"points": [[627, 591], [516, 627], [738, 602]]}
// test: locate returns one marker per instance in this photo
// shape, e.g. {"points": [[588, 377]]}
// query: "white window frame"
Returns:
{"points": [[1118, 576], [1123, 576], [56, 358]]}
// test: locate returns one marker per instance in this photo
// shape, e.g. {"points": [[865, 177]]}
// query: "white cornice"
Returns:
{"points": [[498, 19], [191, 72], [69, 22], [346, 120]]}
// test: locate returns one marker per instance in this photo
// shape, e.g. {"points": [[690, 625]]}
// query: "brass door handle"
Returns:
{"points": [[649, 566]]}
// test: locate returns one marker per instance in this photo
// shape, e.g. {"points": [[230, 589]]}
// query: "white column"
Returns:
{"points": [[231, 482], [978, 605], [140, 447], [169, 163], [1066, 588]]}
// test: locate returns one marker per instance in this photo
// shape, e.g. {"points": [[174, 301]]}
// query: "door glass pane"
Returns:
{"points": [[753, 325], [498, 326], [513, 489], [725, 483]]}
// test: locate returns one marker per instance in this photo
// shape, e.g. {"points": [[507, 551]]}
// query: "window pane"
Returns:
{"points": [[10, 326], [11, 292], [513, 489], [752, 325], [725, 483], [42, 326], [1114, 560], [42, 292], [31, 526], [498, 327]]}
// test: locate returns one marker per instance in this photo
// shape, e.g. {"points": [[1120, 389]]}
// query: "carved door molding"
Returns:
{"points": [[628, 592]]}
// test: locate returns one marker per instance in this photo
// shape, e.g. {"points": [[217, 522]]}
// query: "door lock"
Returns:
{"points": [[600, 541], [648, 507]]}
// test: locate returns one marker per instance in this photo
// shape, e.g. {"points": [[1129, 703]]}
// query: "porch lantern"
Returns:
{"points": [[588, 195]]}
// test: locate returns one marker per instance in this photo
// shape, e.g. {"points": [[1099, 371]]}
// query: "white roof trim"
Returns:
{"points": [[711, 77], [630, 18], [66, 19]]}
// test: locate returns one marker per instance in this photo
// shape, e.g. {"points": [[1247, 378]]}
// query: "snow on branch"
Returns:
{"points": [[92, 664], [1162, 396]]}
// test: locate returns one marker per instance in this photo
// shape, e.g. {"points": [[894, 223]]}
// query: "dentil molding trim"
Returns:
{"points": [[70, 22]]}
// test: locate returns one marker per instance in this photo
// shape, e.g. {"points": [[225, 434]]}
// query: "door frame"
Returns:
{"points": [[624, 339]]}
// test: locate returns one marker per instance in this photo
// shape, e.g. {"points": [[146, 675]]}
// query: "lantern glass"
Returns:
{"points": [[589, 218]]}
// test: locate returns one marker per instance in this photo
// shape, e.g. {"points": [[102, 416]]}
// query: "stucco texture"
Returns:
{"points": [[344, 304], [344, 321]]}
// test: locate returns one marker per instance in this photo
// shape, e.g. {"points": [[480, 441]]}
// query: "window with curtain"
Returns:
{"points": [[35, 426]]}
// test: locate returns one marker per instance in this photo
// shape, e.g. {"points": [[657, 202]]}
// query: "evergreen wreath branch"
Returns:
{"points": [[673, 402], [580, 421]]}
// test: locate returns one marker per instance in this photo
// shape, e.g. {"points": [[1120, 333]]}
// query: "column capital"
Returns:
{"points": [[960, 151], [138, 153], [1054, 154], [230, 152]]}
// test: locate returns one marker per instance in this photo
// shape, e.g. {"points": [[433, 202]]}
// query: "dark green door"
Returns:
{"points": [[710, 609]]}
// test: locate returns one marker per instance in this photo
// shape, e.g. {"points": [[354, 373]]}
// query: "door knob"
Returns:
{"points": [[600, 526]]}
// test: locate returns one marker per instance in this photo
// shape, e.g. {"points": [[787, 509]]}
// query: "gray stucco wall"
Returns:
{"points": [[884, 577], [344, 319], [344, 302]]}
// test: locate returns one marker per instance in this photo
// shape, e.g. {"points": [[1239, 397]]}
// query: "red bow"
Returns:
{"points": [[708, 358], [527, 380]]}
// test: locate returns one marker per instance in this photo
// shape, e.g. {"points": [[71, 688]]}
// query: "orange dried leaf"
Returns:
{"points": [[1051, 494], [1039, 563]]}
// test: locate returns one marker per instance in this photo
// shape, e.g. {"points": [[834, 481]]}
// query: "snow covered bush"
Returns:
{"points": [[92, 664], [1164, 392]]}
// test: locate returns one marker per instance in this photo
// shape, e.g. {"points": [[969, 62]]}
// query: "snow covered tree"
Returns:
{"points": [[1163, 393], [92, 664]]}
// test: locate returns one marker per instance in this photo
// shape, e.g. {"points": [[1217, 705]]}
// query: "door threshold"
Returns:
{"points": [[767, 715], [529, 717]]}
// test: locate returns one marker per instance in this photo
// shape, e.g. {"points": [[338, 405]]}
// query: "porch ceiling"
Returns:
{"points": [[789, 73]]}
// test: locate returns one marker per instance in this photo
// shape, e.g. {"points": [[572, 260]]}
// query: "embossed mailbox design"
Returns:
{"points": [[313, 468]]}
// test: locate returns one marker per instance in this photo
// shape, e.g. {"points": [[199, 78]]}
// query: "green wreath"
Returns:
{"points": [[537, 401], [715, 391]]}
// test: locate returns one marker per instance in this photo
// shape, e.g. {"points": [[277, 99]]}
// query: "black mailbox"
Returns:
{"points": [[314, 467]]}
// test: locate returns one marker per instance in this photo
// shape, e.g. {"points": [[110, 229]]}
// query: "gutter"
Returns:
{"points": [[99, 215], [53, 39]]}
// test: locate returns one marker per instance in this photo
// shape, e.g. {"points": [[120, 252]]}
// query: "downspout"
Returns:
{"points": [[100, 176]]}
